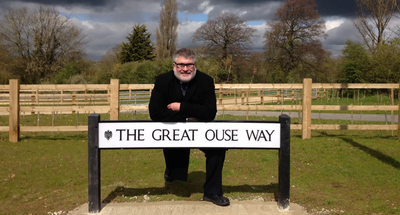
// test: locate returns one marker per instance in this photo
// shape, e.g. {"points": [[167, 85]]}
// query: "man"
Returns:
{"points": [[186, 94]]}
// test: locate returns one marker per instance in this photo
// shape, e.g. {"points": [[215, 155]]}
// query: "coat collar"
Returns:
{"points": [[193, 84]]}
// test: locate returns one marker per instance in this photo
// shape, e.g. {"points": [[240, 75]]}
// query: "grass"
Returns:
{"points": [[335, 172]]}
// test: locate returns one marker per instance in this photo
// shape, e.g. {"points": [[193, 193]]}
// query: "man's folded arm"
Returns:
{"points": [[205, 110]]}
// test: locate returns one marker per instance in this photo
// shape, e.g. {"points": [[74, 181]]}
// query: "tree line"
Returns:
{"points": [[42, 46]]}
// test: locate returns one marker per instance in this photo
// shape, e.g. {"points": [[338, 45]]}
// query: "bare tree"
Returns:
{"points": [[167, 31], [373, 20], [292, 38], [110, 62], [6, 64], [225, 35], [43, 39]]}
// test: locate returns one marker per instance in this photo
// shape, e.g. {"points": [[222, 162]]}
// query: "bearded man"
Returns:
{"points": [[186, 94]]}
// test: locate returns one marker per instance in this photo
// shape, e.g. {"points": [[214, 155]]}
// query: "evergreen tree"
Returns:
{"points": [[138, 47]]}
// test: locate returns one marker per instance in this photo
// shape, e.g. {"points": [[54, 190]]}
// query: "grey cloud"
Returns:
{"points": [[70, 2], [189, 7], [137, 17], [185, 33], [343, 8], [256, 9], [103, 37], [266, 9], [346, 31], [263, 12], [339, 36], [92, 5]]}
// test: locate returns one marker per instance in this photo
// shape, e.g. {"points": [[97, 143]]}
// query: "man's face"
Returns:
{"points": [[184, 69]]}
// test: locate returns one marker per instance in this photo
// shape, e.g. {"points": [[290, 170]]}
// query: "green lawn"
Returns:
{"points": [[344, 172]]}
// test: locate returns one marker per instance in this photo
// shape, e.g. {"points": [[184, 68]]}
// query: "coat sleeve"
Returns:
{"points": [[158, 104], [206, 107]]}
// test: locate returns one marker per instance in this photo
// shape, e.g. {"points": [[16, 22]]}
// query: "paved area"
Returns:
{"points": [[193, 208], [296, 115]]}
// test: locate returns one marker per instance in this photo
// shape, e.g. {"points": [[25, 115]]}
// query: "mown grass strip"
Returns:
{"points": [[345, 172]]}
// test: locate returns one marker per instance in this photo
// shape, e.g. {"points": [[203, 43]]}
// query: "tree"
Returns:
{"points": [[225, 35], [355, 63], [110, 62], [167, 31], [42, 39], [6, 64], [139, 46], [385, 66], [373, 20], [292, 38]]}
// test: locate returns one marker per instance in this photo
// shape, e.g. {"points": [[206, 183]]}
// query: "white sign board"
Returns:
{"points": [[191, 135]]}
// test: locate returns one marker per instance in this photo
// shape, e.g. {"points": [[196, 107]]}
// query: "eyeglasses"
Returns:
{"points": [[182, 65]]}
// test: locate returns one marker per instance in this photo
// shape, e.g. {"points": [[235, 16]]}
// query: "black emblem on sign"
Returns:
{"points": [[108, 134]]}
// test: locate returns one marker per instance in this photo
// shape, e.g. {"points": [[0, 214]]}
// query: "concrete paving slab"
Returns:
{"points": [[193, 208]]}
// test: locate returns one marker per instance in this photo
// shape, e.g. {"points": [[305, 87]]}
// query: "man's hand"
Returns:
{"points": [[175, 106]]}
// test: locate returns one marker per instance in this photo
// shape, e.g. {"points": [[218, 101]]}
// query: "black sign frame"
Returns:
{"points": [[94, 186]]}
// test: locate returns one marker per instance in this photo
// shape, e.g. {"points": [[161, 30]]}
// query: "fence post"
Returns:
{"points": [[307, 95], [220, 96], [284, 164], [236, 92], [73, 99], [398, 117], [114, 99], [94, 190], [278, 96], [33, 100], [262, 97], [14, 111]]}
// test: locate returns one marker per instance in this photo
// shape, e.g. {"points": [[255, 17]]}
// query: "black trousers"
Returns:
{"points": [[177, 163]]}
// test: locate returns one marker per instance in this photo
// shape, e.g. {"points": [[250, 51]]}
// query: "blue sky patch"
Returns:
{"points": [[255, 23], [200, 17]]}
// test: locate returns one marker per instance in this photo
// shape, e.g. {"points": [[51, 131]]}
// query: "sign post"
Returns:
{"points": [[94, 164], [284, 164], [215, 134]]}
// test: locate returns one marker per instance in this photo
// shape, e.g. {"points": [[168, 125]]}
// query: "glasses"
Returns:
{"points": [[182, 65]]}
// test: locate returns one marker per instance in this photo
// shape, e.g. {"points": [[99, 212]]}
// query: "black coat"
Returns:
{"points": [[199, 102]]}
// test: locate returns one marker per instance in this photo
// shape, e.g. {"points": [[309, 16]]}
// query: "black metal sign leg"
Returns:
{"points": [[94, 163], [284, 164]]}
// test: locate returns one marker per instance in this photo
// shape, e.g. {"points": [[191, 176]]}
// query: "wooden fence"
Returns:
{"points": [[18, 99]]}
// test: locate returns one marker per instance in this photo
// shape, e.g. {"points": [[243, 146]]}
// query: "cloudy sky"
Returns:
{"points": [[108, 22]]}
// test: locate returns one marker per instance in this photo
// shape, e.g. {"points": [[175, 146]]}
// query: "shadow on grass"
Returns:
{"points": [[377, 154], [374, 153], [55, 136], [340, 135], [186, 189]]}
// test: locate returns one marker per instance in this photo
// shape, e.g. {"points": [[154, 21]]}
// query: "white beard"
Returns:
{"points": [[178, 75]]}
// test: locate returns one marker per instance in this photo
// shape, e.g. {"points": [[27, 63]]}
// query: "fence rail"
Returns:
{"points": [[20, 99]]}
